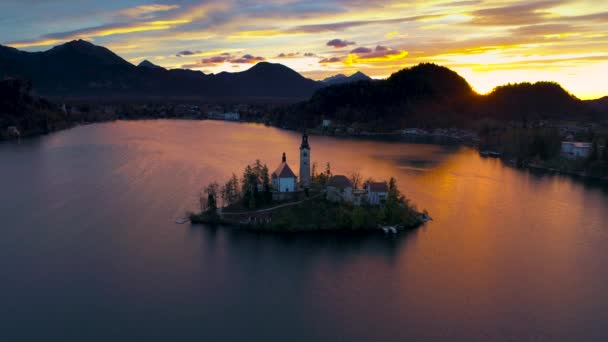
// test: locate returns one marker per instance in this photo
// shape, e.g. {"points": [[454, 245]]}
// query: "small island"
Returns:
{"points": [[319, 201]]}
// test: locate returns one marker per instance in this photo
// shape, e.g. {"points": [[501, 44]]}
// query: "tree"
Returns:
{"points": [[355, 178], [266, 184], [211, 191], [328, 173], [230, 191], [393, 192]]}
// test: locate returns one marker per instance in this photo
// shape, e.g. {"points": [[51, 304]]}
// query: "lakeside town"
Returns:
{"points": [[312, 201], [570, 147]]}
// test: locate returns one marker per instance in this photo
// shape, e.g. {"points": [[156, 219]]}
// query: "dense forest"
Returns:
{"points": [[28, 114], [428, 95]]}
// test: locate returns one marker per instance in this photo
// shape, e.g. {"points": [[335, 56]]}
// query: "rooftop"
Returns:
{"points": [[283, 171], [340, 181], [378, 187]]}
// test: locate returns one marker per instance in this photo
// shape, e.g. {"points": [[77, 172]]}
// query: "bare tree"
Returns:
{"points": [[356, 178]]}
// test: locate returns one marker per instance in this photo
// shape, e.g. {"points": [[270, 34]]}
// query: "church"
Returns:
{"points": [[284, 180]]}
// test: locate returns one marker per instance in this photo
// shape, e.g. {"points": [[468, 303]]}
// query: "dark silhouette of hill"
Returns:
{"points": [[341, 78], [428, 95], [79, 68], [265, 80], [30, 114], [540, 100], [149, 65], [406, 95], [423, 95], [599, 105]]}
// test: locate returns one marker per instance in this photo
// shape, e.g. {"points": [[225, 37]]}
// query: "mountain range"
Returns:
{"points": [[80, 68]]}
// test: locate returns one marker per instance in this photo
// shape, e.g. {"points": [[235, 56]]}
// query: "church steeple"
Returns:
{"points": [[304, 144], [284, 159], [305, 162]]}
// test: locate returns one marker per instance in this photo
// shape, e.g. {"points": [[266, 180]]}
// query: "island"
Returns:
{"points": [[317, 201]]}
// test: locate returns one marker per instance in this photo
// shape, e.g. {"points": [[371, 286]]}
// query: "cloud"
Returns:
{"points": [[222, 58], [135, 12], [520, 14], [367, 55], [331, 60], [288, 55], [248, 59], [343, 25], [215, 60], [375, 57], [392, 34], [460, 3], [361, 50], [542, 30], [339, 43], [97, 31], [188, 53], [133, 25]]}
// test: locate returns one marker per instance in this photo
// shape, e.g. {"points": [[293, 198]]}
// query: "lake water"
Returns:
{"points": [[89, 249]]}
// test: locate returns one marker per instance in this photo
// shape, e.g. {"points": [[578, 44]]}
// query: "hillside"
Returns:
{"points": [[29, 114], [599, 105], [428, 95], [79, 68]]}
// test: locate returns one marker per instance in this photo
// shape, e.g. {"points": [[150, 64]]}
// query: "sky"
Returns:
{"points": [[487, 42]]}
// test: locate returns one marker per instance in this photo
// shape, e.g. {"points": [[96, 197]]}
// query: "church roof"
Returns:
{"points": [[283, 171], [340, 182]]}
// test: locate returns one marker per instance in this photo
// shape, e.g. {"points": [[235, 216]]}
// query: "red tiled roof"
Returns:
{"points": [[283, 171], [378, 187]]}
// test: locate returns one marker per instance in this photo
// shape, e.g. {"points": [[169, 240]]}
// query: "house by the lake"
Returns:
{"points": [[339, 189], [572, 149], [377, 192]]}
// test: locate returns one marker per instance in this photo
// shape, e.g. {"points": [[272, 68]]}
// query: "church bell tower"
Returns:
{"points": [[305, 162]]}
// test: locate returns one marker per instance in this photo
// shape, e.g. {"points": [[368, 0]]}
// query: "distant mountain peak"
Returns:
{"points": [[334, 77], [147, 64], [341, 78], [81, 51], [75, 44]]}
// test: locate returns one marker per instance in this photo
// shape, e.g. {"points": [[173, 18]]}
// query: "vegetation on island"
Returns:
{"points": [[322, 214], [247, 202]]}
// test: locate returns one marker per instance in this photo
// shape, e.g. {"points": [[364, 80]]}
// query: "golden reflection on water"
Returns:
{"points": [[507, 252]]}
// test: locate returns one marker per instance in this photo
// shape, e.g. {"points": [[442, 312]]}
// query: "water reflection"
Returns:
{"points": [[89, 214]]}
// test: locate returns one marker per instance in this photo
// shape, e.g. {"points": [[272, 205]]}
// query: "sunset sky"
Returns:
{"points": [[487, 42]]}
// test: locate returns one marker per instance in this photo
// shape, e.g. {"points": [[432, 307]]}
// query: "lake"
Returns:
{"points": [[90, 249]]}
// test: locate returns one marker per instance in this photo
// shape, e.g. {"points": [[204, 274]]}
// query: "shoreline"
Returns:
{"points": [[306, 230], [426, 138]]}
